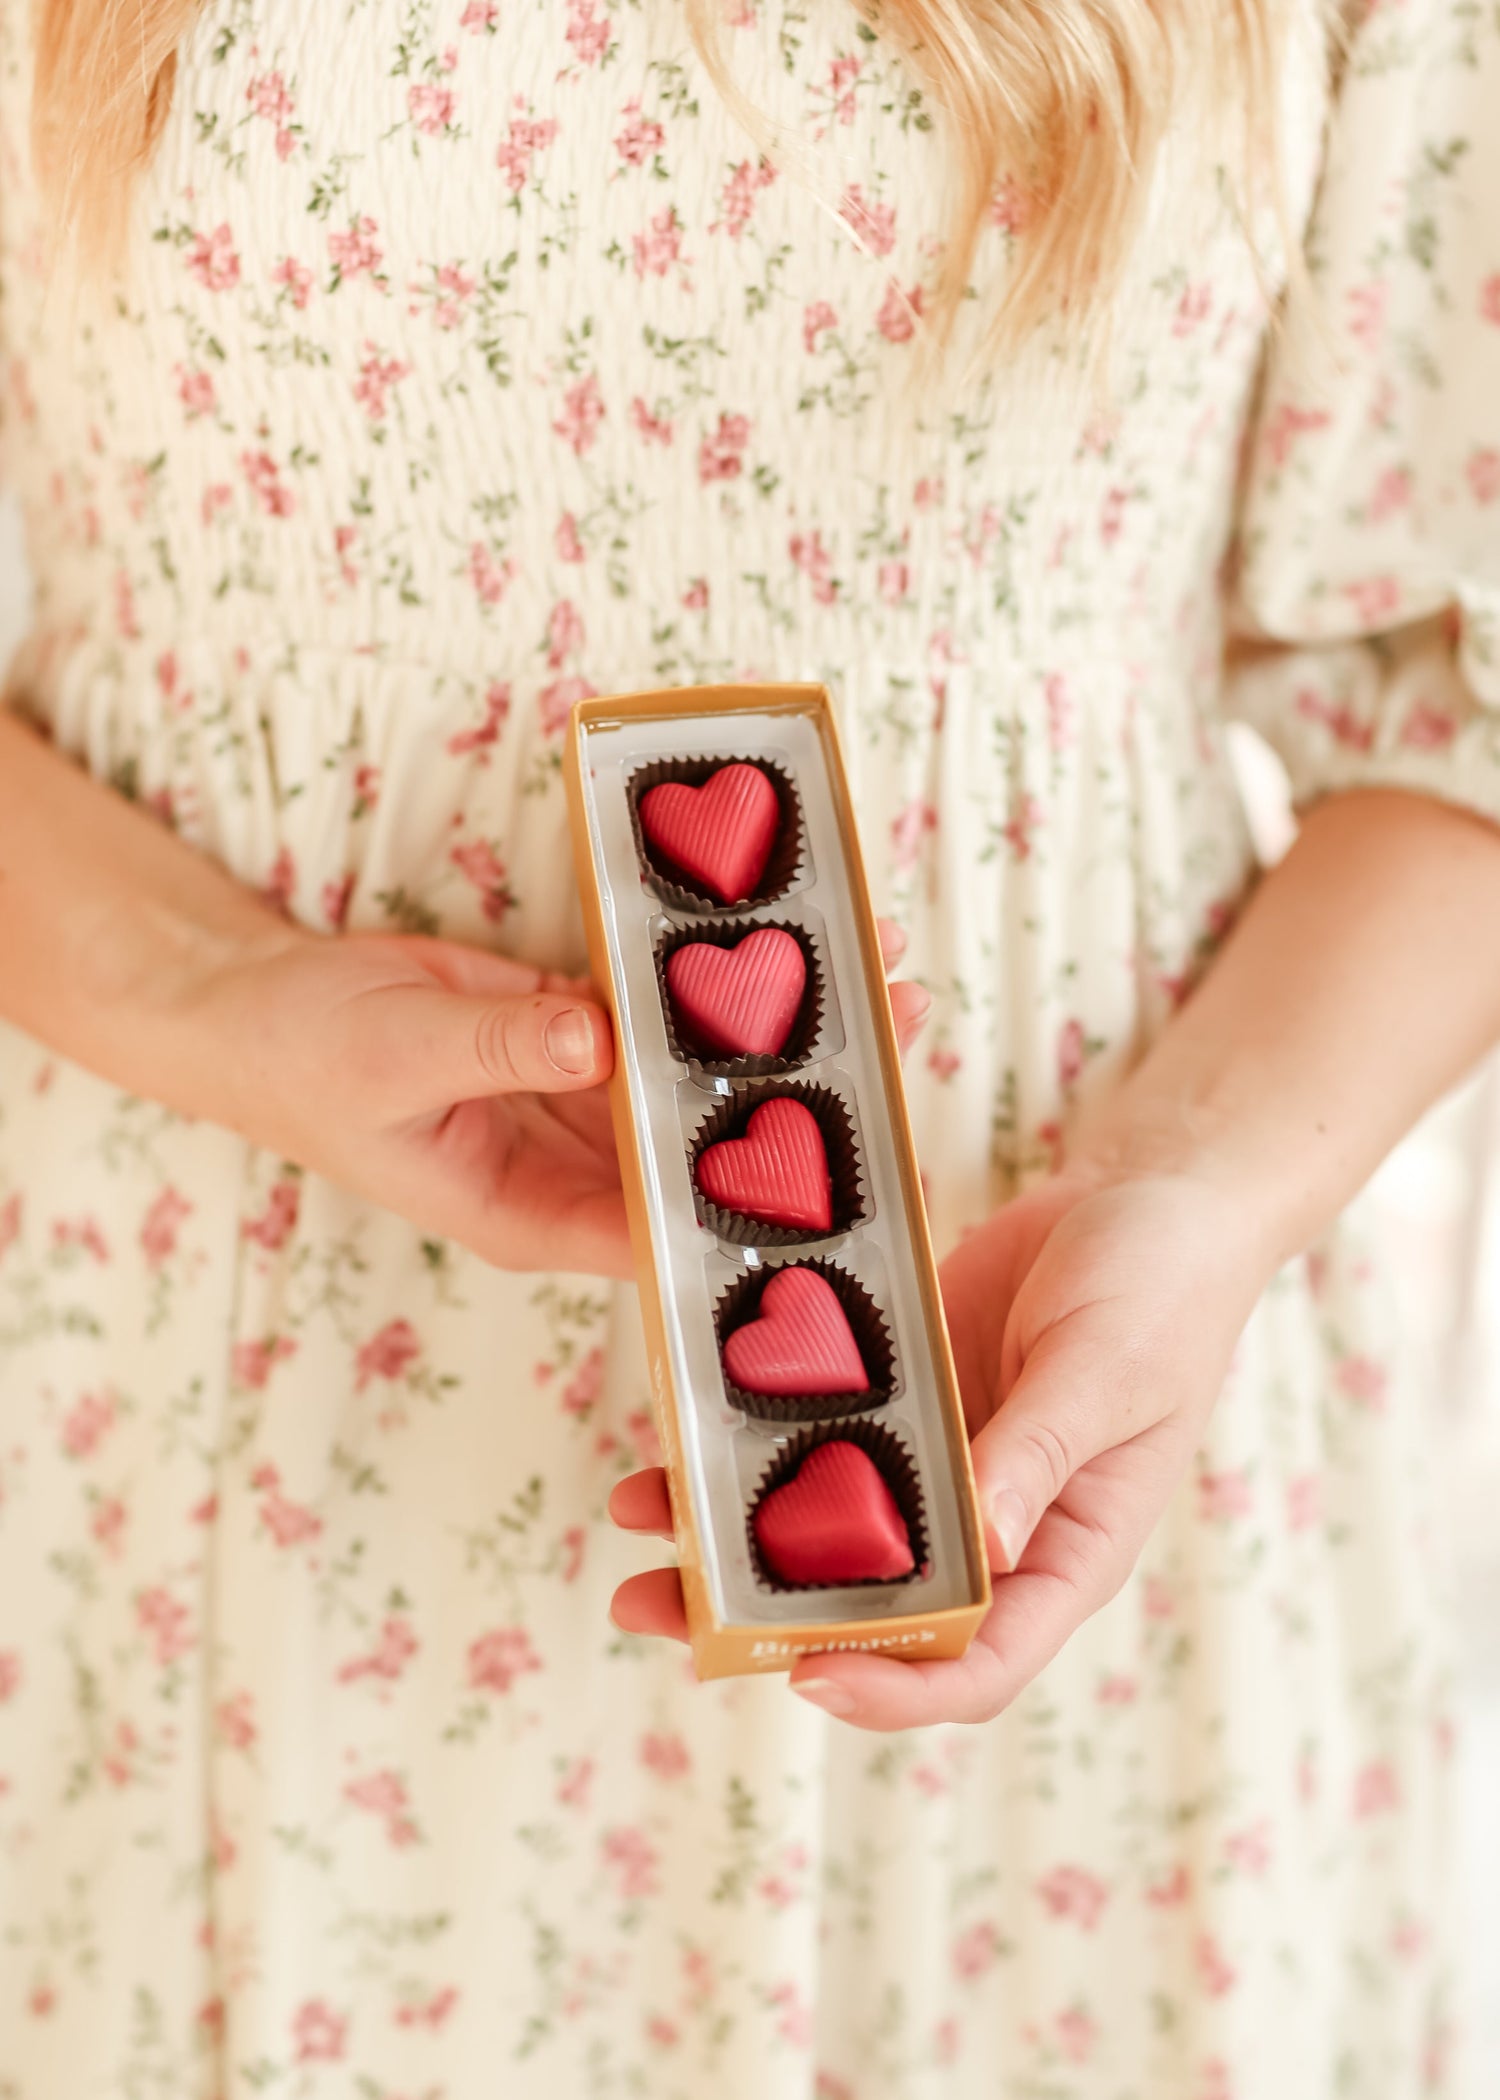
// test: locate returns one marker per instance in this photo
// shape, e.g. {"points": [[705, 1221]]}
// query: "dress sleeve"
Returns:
{"points": [[1365, 603]]}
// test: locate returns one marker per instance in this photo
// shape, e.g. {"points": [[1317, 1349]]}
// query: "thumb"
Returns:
{"points": [[460, 1048], [1075, 1397]]}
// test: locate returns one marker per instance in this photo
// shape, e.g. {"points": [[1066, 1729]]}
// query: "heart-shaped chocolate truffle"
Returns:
{"points": [[777, 1172], [800, 1342], [740, 1001], [835, 1520], [720, 834]]}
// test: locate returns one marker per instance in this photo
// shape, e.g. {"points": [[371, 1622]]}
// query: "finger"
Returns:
{"points": [[423, 1049], [476, 971], [1080, 1393], [640, 1503], [651, 1603], [892, 942], [910, 1006]]}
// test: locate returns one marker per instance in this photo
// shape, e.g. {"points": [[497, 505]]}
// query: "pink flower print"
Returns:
{"points": [[497, 1659], [165, 1622], [843, 72], [1024, 821], [1363, 1381], [976, 1951], [1076, 2034], [478, 862], [1222, 1496], [296, 280], [899, 312], [1171, 1891], [1059, 711], [1069, 1054], [564, 632], [276, 1223], [1194, 306], [10, 1674], [160, 1225], [1483, 471], [662, 2032], [1214, 1973], [234, 1718], [571, 1552], [582, 413], [366, 785], [1375, 1789], [665, 1755], [281, 882], [430, 106], [480, 16], [721, 456], [1288, 423], [1159, 1600], [107, 1525], [873, 222], [908, 829], [565, 540], [1073, 1892], [695, 597], [583, 1388], [1367, 305], [289, 1523], [893, 582], [659, 248], [1428, 728], [526, 137], [1011, 207], [1304, 1502], [334, 899], [1250, 1849], [795, 2025], [588, 33], [117, 1763], [816, 321], [928, 493], [453, 287], [574, 1786], [384, 1794], [376, 374], [640, 1427], [387, 1659], [816, 563], [1374, 598], [1112, 515], [737, 204], [319, 2033], [429, 2012], [355, 253], [195, 390], [656, 430], [212, 259], [1115, 1690], [264, 477], [555, 702], [216, 497], [387, 1354], [268, 96], [631, 1858], [639, 137], [943, 1062], [125, 620], [10, 1223], [86, 1423], [1489, 299], [1392, 493], [487, 731], [251, 1363], [1338, 718], [488, 574]]}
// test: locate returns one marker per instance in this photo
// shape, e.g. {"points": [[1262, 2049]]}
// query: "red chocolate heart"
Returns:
{"points": [[777, 1172], [719, 834], [835, 1520], [799, 1344], [740, 1001]]}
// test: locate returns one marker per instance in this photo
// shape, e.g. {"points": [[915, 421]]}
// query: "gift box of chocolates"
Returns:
{"points": [[809, 1415]]}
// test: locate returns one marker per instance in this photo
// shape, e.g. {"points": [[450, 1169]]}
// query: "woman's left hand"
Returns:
{"points": [[1092, 1322]]}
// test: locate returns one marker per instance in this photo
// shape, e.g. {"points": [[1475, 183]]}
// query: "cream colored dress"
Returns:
{"points": [[473, 360]]}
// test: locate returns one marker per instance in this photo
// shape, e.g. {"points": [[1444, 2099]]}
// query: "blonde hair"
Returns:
{"points": [[1056, 108]]}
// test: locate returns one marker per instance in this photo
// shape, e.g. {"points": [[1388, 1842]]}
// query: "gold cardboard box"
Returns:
{"points": [[714, 1454]]}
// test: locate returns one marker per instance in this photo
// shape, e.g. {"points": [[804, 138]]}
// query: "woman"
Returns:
{"points": [[466, 358]]}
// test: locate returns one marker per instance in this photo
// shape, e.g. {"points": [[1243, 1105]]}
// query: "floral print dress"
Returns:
{"points": [[473, 357]]}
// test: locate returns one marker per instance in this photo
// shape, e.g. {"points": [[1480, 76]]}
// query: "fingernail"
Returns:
{"points": [[921, 1006], [822, 1691], [569, 1041], [1009, 1523]]}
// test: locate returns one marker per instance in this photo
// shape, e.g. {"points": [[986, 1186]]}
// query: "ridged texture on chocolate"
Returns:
{"points": [[719, 834], [777, 1172], [739, 1001], [834, 1521], [800, 1344], [740, 1302]]}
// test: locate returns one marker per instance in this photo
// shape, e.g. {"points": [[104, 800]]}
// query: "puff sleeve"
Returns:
{"points": [[1365, 603]]}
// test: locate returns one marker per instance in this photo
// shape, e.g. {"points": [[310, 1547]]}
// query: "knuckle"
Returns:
{"points": [[498, 1036], [1052, 1451]]}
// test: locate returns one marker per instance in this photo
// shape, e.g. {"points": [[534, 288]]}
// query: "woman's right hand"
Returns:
{"points": [[454, 1086]]}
